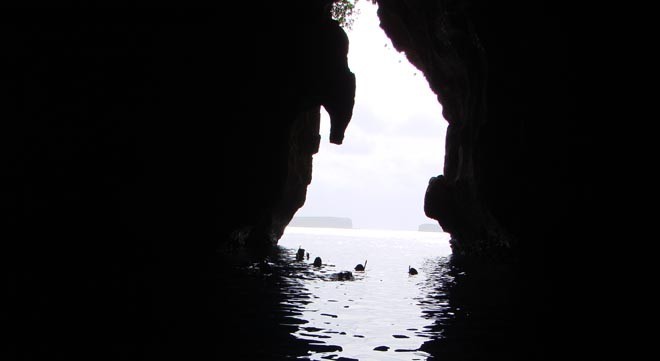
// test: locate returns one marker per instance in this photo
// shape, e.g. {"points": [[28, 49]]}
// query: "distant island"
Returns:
{"points": [[321, 222], [429, 227]]}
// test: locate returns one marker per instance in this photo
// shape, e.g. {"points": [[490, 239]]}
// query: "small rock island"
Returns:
{"points": [[321, 222], [429, 227]]}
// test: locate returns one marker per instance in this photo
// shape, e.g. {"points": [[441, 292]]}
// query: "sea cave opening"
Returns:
{"points": [[395, 142], [363, 223]]}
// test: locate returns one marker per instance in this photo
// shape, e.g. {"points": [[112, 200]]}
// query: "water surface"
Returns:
{"points": [[383, 313], [278, 308]]}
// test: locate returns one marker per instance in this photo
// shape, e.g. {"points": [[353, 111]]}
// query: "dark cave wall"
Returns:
{"points": [[133, 144], [311, 61], [167, 124], [500, 71], [304, 142], [206, 123]]}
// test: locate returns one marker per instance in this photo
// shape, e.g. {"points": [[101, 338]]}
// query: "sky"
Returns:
{"points": [[393, 145]]}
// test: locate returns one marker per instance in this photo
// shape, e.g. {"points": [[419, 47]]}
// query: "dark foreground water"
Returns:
{"points": [[445, 312], [269, 306]]}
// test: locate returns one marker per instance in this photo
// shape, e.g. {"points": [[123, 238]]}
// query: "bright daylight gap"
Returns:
{"points": [[393, 145]]}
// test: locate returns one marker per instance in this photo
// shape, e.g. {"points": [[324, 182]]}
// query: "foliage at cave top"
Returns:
{"points": [[344, 11]]}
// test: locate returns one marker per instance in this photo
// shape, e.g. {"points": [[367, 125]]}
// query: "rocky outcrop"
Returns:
{"points": [[155, 124], [303, 144], [311, 71], [135, 143], [500, 72]]}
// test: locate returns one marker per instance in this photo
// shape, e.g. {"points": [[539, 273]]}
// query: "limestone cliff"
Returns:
{"points": [[136, 142], [497, 69], [162, 125]]}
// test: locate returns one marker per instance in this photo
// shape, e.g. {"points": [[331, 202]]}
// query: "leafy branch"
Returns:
{"points": [[344, 12]]}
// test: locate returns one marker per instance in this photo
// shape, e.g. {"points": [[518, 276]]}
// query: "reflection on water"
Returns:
{"points": [[449, 311], [492, 312], [383, 313]]}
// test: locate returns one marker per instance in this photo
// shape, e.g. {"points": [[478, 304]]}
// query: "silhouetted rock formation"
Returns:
{"points": [[137, 142], [128, 120], [519, 168], [500, 72]]}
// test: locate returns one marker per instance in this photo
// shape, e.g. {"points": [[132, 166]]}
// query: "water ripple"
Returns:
{"points": [[379, 314]]}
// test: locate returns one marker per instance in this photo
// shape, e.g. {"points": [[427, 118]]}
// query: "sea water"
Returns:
{"points": [[383, 313]]}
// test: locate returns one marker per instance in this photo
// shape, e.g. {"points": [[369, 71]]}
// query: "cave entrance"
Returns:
{"points": [[393, 145], [360, 281]]}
